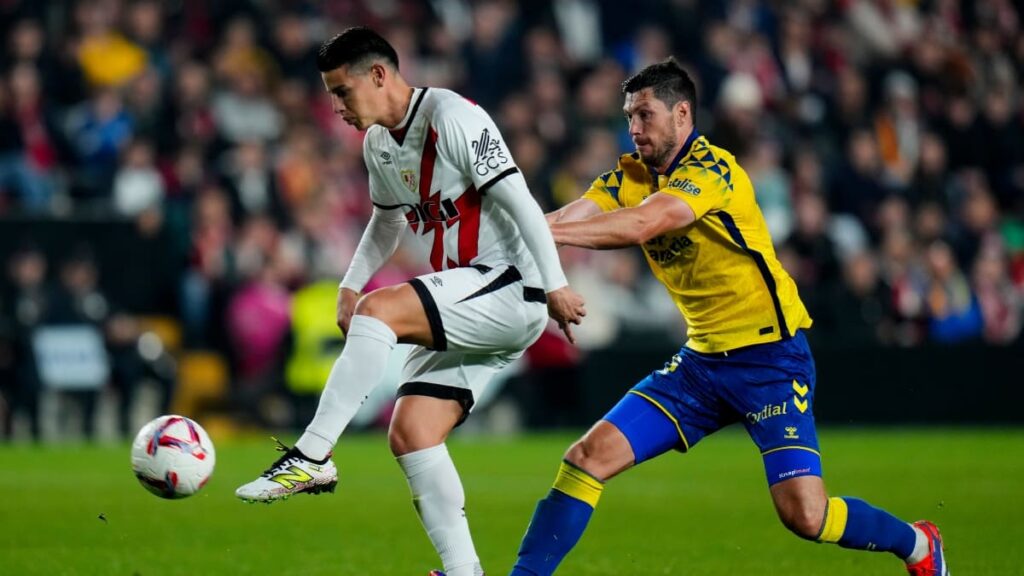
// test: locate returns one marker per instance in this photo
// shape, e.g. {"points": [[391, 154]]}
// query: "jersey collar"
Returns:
{"points": [[398, 132]]}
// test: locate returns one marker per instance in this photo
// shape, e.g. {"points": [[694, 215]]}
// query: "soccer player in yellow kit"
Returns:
{"points": [[692, 209]]}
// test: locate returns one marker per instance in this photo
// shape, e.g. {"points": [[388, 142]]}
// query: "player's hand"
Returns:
{"points": [[566, 307], [346, 306]]}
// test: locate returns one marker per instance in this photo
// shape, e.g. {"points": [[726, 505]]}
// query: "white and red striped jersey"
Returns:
{"points": [[437, 167]]}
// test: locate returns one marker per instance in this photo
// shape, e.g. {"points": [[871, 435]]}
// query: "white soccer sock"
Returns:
{"points": [[440, 502], [356, 372], [921, 547]]}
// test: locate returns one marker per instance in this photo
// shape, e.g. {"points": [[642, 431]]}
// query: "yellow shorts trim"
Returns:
{"points": [[835, 521], [573, 481], [811, 450], [667, 413]]}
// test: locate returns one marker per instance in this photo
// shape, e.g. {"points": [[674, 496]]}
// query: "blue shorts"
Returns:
{"points": [[768, 387]]}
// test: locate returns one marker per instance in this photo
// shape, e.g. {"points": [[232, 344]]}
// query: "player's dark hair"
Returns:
{"points": [[668, 79], [356, 47]]}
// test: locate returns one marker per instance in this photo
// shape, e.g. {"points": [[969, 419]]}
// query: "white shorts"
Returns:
{"points": [[481, 320]]}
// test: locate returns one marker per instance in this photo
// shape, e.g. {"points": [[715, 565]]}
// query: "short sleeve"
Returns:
{"points": [[468, 137], [604, 190], [703, 190]]}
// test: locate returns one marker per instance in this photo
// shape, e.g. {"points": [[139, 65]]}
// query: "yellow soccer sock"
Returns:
{"points": [[579, 484]]}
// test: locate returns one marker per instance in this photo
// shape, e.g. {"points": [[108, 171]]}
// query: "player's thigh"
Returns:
{"points": [[772, 387], [456, 379], [399, 307], [672, 408], [479, 310]]}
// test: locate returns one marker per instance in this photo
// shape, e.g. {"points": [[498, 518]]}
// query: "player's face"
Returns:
{"points": [[354, 96], [652, 127]]}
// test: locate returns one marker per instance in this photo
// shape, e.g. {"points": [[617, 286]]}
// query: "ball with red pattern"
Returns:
{"points": [[173, 457]]}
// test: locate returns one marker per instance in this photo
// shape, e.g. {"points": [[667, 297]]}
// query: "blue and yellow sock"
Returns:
{"points": [[558, 522], [853, 523]]}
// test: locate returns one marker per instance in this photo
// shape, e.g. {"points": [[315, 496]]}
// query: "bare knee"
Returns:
{"points": [[804, 517], [421, 422], [801, 503], [603, 452], [580, 454], [405, 436], [398, 442], [402, 441], [373, 304]]}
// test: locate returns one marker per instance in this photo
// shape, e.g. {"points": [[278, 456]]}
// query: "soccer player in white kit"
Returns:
{"points": [[437, 166]]}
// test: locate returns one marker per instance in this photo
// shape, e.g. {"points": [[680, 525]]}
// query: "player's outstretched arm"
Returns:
{"points": [[579, 209], [658, 214]]}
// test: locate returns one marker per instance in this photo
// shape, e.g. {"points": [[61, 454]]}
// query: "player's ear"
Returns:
{"points": [[377, 74], [682, 111]]}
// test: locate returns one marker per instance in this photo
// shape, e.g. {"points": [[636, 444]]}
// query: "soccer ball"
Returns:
{"points": [[173, 457]]}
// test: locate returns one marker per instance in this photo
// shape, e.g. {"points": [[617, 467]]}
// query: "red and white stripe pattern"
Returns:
{"points": [[436, 168]]}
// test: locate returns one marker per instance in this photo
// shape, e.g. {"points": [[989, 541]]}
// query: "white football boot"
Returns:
{"points": [[293, 473]]}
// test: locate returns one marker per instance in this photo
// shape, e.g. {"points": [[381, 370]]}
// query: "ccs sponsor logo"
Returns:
{"points": [[490, 154]]}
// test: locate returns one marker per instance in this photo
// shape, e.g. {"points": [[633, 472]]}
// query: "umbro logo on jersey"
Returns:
{"points": [[436, 281], [489, 153], [385, 158]]}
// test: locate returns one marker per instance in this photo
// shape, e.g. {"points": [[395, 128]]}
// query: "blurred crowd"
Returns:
{"points": [[884, 139]]}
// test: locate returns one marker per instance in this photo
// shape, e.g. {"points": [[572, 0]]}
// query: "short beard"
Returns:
{"points": [[661, 155]]}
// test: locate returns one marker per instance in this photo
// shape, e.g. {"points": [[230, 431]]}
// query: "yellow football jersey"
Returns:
{"points": [[721, 270]]}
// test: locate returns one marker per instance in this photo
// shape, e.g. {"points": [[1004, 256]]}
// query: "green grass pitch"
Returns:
{"points": [[705, 513]]}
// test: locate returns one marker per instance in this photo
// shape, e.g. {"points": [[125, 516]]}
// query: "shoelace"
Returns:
{"points": [[287, 458]]}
